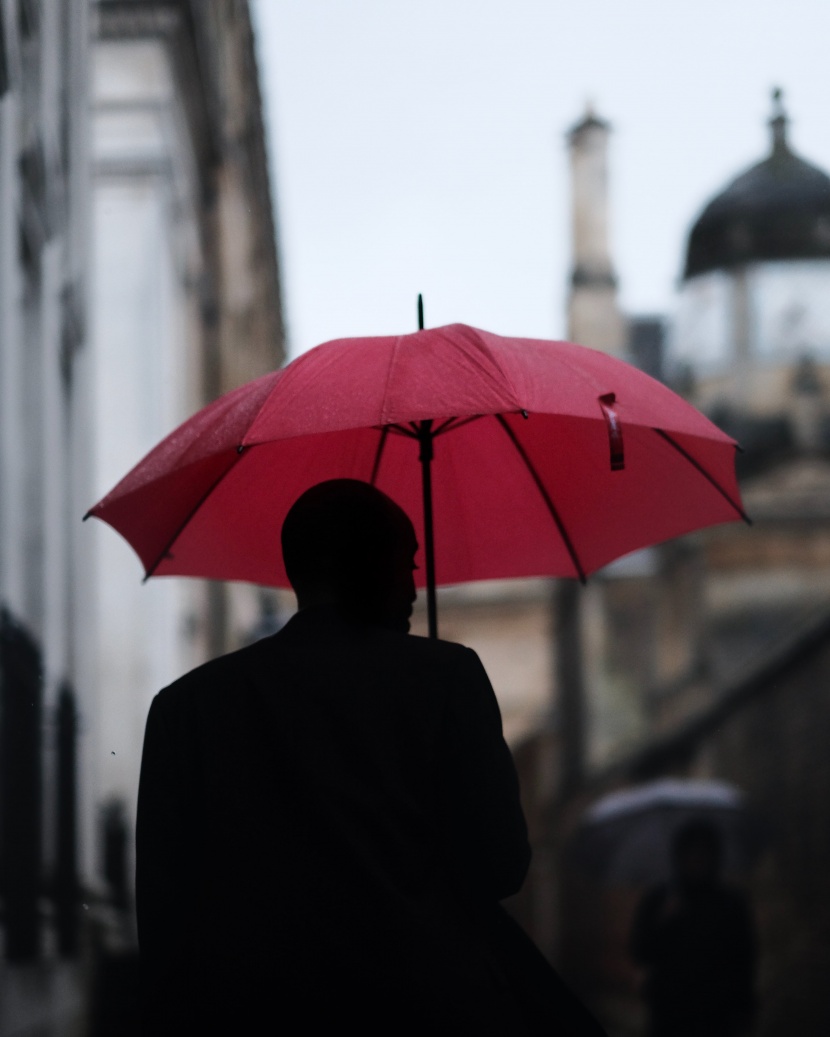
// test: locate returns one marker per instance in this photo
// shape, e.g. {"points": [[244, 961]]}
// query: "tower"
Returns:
{"points": [[594, 318]]}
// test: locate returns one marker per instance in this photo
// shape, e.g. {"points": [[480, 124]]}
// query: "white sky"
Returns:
{"points": [[418, 145]]}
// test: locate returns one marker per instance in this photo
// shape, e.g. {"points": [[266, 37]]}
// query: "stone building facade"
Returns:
{"points": [[764, 731], [44, 344], [185, 305], [138, 280]]}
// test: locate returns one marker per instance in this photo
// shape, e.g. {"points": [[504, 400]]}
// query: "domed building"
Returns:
{"points": [[710, 658], [750, 346], [751, 339]]}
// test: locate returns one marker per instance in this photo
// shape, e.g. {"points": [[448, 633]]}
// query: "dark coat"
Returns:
{"points": [[325, 820], [699, 948]]}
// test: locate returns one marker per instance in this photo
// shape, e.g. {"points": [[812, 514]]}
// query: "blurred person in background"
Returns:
{"points": [[695, 939]]}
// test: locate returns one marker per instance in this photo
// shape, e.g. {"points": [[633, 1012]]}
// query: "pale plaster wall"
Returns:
{"points": [[144, 342]]}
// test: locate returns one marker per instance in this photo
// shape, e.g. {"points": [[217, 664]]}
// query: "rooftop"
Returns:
{"points": [[777, 209]]}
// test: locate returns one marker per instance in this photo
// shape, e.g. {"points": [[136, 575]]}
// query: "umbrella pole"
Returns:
{"points": [[425, 439]]}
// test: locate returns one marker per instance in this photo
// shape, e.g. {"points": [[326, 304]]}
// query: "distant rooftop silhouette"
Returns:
{"points": [[777, 209]]}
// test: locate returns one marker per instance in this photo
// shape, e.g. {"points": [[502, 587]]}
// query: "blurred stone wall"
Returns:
{"points": [[766, 733], [139, 278]]}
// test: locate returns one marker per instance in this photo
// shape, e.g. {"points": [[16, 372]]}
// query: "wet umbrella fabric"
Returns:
{"points": [[544, 458], [625, 837]]}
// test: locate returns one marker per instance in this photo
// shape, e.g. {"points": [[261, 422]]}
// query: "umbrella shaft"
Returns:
{"points": [[425, 438]]}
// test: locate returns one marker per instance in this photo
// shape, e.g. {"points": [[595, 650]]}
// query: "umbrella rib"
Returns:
{"points": [[696, 464], [540, 486], [451, 424], [166, 549], [379, 453], [399, 430], [444, 426]]}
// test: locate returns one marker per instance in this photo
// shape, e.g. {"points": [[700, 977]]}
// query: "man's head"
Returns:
{"points": [[697, 853], [347, 544]]}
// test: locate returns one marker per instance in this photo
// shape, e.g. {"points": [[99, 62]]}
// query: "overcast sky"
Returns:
{"points": [[419, 146]]}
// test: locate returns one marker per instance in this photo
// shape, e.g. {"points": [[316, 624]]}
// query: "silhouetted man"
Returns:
{"points": [[696, 939], [327, 816]]}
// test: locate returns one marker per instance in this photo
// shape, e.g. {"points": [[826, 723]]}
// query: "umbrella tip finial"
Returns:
{"points": [[420, 312]]}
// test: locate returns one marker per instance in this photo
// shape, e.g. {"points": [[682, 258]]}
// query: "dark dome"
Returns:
{"points": [[778, 209]]}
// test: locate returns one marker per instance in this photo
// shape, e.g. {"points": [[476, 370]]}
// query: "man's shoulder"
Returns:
{"points": [[424, 653], [214, 673], [318, 627], [216, 677], [432, 648]]}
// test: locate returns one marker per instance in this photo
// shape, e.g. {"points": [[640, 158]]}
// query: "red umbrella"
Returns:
{"points": [[541, 459]]}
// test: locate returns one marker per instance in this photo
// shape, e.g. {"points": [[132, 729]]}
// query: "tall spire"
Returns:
{"points": [[778, 122], [593, 315]]}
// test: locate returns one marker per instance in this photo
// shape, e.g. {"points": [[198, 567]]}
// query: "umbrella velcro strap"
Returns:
{"points": [[615, 436]]}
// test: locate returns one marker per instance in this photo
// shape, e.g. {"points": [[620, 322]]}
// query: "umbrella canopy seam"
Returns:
{"points": [[488, 352], [253, 420], [393, 356]]}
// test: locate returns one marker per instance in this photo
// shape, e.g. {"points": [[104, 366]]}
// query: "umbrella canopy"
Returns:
{"points": [[540, 458], [625, 838]]}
